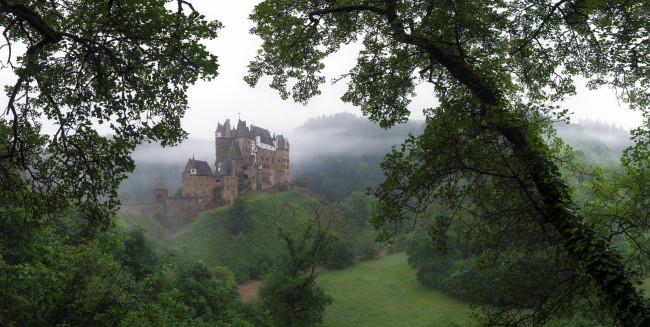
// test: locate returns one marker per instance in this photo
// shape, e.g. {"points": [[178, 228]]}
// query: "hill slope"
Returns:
{"points": [[247, 254], [385, 292]]}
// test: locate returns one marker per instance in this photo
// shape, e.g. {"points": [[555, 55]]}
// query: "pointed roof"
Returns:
{"points": [[227, 132], [226, 166], [242, 130], [281, 142], [234, 152], [202, 167]]}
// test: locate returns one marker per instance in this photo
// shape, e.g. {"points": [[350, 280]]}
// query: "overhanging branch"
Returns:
{"points": [[315, 20], [34, 20]]}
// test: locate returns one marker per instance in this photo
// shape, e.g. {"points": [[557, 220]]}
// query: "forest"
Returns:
{"points": [[494, 199]]}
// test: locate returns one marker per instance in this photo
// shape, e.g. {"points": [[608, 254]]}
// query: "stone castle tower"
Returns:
{"points": [[247, 158]]}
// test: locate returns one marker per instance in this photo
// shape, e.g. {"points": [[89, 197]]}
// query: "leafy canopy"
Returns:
{"points": [[497, 70], [78, 65]]}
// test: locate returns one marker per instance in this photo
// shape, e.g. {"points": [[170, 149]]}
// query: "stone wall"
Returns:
{"points": [[174, 205], [229, 188], [198, 186], [150, 209], [174, 213]]}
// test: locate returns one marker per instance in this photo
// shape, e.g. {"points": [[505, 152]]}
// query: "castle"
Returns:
{"points": [[247, 158]]}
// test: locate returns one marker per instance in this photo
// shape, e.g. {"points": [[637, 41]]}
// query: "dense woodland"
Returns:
{"points": [[241, 242], [491, 204]]}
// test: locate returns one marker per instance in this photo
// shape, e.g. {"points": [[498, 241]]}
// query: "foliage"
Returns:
{"points": [[239, 218], [337, 177], [121, 65], [112, 278], [248, 255], [489, 151], [137, 253], [209, 297], [300, 182], [342, 254], [357, 209], [290, 292]]}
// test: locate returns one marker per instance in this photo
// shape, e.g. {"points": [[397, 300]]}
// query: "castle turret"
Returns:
{"points": [[160, 193], [227, 130]]}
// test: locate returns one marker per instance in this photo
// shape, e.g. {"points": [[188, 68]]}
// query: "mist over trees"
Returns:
{"points": [[346, 135], [589, 135], [483, 178], [342, 153], [488, 151]]}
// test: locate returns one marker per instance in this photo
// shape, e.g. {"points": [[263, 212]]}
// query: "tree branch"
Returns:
{"points": [[539, 28], [33, 18], [346, 9]]}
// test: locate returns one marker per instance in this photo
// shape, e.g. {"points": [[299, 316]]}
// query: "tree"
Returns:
{"points": [[210, 298], [137, 253], [289, 292], [239, 218], [497, 70], [125, 65], [78, 65], [300, 182], [357, 209]]}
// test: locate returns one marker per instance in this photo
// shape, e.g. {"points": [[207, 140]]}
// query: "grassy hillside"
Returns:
{"points": [[155, 229], [247, 255], [385, 292]]}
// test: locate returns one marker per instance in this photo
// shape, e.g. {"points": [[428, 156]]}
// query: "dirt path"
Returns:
{"points": [[248, 291]]}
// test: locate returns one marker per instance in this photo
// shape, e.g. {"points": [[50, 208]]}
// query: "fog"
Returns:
{"points": [[346, 134], [613, 136], [338, 134]]}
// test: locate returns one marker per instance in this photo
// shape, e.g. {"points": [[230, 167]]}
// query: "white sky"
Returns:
{"points": [[229, 96]]}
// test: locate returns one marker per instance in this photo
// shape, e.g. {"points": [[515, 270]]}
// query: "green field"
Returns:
{"points": [[385, 292]]}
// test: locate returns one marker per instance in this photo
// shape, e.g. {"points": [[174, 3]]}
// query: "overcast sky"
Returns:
{"points": [[229, 96]]}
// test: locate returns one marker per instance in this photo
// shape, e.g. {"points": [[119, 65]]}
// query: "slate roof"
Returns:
{"points": [[250, 133], [242, 130], [202, 167], [281, 142], [234, 151], [226, 166]]}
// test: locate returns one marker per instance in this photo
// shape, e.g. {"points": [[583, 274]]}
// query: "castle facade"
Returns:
{"points": [[247, 158]]}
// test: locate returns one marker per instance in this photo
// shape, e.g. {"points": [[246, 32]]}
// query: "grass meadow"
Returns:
{"points": [[385, 292], [376, 293]]}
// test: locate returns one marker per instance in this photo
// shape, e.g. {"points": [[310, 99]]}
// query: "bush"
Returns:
{"points": [[341, 256], [365, 245], [239, 218]]}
